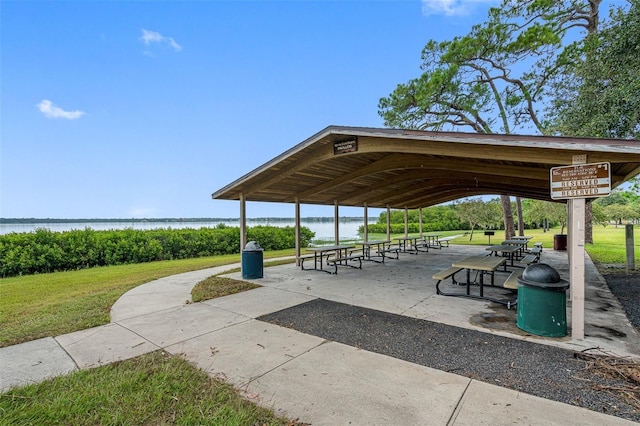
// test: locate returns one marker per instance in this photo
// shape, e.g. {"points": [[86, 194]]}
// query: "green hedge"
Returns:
{"points": [[44, 251]]}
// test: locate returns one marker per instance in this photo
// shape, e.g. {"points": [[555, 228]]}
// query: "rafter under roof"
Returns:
{"points": [[413, 169]]}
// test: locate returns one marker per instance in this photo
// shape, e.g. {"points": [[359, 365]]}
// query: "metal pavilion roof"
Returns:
{"points": [[352, 166]]}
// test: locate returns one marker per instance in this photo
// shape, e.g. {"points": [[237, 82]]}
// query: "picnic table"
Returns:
{"points": [[408, 244], [483, 265], [341, 256], [381, 248], [516, 242], [431, 240], [523, 238], [510, 251]]}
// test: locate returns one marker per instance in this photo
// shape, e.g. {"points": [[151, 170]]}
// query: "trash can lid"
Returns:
{"points": [[543, 275], [252, 246]]}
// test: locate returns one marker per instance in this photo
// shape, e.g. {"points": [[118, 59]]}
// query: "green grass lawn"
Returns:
{"points": [[43, 305], [153, 389]]}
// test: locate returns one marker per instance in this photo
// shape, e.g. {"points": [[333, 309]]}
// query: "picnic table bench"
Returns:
{"points": [[344, 260], [533, 256], [511, 283], [304, 257], [446, 240], [443, 275], [390, 249]]}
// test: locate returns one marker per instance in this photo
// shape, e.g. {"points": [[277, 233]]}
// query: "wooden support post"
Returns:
{"points": [[631, 262], [388, 222], [297, 216], [406, 222], [420, 220], [336, 222], [569, 213], [366, 223], [243, 222], [576, 260]]}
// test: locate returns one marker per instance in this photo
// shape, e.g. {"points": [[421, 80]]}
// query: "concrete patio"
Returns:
{"points": [[405, 287]]}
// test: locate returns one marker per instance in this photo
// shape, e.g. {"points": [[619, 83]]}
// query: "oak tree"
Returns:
{"points": [[495, 79]]}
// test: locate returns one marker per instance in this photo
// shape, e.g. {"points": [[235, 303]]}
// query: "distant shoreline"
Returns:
{"points": [[174, 220]]}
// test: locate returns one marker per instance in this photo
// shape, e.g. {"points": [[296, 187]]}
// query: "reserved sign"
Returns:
{"points": [[581, 181]]}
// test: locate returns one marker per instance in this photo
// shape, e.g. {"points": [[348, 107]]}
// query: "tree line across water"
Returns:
{"points": [[44, 251]]}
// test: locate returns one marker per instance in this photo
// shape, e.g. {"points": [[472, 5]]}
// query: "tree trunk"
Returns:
{"points": [[520, 218], [509, 228]]}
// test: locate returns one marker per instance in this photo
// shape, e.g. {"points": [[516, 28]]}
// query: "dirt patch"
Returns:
{"points": [[501, 319]]}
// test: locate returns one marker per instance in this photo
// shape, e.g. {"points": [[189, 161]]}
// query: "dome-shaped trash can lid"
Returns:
{"points": [[543, 275], [252, 246]]}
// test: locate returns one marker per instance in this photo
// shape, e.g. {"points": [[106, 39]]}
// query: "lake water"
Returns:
{"points": [[324, 230]]}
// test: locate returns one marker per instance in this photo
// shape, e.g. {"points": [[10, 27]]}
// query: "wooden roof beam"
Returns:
{"points": [[400, 162], [512, 153]]}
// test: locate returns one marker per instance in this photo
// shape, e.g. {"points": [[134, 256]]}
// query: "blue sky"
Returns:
{"points": [[143, 109]]}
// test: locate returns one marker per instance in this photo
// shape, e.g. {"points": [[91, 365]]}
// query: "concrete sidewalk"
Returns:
{"points": [[297, 375]]}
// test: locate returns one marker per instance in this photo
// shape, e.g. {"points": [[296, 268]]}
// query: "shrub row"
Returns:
{"points": [[44, 251]]}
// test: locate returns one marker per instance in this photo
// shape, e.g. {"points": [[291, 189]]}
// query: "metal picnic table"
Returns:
{"points": [[508, 251], [321, 251], [367, 250], [482, 264]]}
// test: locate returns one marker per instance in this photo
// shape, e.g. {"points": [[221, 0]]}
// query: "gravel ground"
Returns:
{"points": [[626, 287], [536, 369]]}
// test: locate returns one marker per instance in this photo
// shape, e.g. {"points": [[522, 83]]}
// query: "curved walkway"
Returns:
{"points": [[298, 375]]}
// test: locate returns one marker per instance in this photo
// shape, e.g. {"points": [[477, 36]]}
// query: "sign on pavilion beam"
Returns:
{"points": [[581, 181]]}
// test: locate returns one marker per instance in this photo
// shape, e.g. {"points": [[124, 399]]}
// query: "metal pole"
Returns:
{"points": [[631, 262]]}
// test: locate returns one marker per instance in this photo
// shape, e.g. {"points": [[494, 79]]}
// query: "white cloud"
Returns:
{"points": [[450, 7], [51, 111], [149, 37]]}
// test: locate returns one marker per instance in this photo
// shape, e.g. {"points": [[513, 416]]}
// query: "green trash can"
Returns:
{"points": [[542, 301], [252, 264]]}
